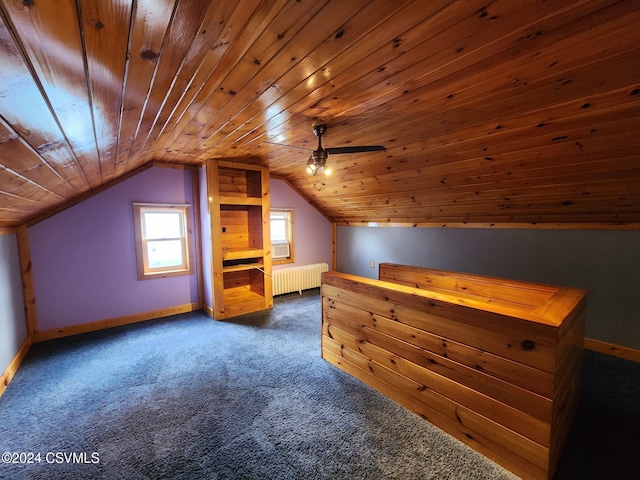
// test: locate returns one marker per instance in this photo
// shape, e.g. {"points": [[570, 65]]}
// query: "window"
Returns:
{"points": [[281, 235], [162, 243]]}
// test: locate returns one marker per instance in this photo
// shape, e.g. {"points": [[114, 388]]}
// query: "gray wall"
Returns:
{"points": [[13, 328], [605, 262]]}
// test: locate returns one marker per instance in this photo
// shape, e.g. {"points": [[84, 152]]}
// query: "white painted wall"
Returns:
{"points": [[13, 328]]}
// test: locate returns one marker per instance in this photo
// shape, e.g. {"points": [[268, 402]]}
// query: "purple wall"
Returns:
{"points": [[205, 222], [84, 259], [312, 232]]}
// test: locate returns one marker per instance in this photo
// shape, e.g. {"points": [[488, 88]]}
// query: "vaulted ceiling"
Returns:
{"points": [[492, 112]]}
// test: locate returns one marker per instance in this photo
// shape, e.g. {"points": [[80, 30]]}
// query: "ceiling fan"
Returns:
{"points": [[318, 160]]}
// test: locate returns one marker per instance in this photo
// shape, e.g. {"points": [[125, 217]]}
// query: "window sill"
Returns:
{"points": [[282, 261]]}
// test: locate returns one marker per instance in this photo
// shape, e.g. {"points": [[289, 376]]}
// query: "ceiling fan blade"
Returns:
{"points": [[356, 149]]}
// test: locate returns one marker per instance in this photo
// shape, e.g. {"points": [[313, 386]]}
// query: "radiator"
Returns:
{"points": [[296, 279]]}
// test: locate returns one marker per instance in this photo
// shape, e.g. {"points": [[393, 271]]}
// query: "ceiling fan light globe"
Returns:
{"points": [[311, 166]]}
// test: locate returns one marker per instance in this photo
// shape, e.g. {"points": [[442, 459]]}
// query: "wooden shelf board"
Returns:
{"points": [[240, 253], [240, 295], [232, 200], [244, 266]]}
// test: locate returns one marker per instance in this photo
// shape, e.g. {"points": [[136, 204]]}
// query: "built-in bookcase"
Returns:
{"points": [[238, 198]]}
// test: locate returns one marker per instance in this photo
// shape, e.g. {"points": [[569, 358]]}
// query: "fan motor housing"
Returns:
{"points": [[319, 156]]}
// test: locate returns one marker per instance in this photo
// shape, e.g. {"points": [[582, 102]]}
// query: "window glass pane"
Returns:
{"points": [[162, 246], [164, 253], [278, 231], [162, 225]]}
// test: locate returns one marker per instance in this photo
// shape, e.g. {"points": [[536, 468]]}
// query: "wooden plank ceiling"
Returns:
{"points": [[512, 112]]}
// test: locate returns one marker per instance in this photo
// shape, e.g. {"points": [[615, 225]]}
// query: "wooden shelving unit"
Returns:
{"points": [[240, 239]]}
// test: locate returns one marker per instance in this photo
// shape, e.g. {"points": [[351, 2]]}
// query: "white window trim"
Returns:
{"points": [[290, 240], [144, 271]]}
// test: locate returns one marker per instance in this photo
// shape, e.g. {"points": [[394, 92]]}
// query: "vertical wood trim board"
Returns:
{"points": [[12, 368], [28, 290]]}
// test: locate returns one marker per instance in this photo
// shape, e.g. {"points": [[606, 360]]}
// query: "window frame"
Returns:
{"points": [[145, 272], [289, 220]]}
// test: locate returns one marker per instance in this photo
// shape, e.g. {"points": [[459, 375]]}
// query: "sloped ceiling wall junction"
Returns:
{"points": [[493, 112]]}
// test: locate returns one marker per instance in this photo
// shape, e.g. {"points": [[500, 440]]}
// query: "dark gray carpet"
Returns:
{"points": [[188, 397], [604, 442]]}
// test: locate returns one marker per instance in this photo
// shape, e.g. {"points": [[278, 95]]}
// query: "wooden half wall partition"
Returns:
{"points": [[493, 362]]}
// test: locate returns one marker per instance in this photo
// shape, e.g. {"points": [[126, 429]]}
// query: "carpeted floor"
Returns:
{"points": [[188, 397]]}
